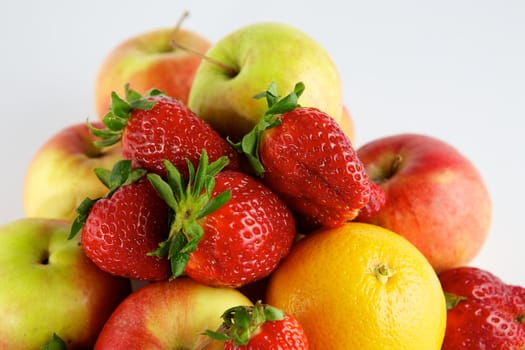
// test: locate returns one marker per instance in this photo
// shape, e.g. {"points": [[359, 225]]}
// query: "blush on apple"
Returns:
{"points": [[49, 286], [60, 175], [169, 315], [435, 197], [150, 60]]}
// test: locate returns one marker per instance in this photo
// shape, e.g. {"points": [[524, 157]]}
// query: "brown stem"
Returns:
{"points": [[229, 70]]}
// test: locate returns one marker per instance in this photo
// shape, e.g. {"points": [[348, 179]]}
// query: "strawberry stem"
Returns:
{"points": [[190, 201], [249, 144]]}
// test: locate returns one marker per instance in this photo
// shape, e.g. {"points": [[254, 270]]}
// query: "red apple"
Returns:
{"points": [[435, 197], [60, 175], [169, 315], [150, 60], [50, 286]]}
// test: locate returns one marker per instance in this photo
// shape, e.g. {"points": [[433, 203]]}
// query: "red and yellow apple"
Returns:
{"points": [[60, 175], [245, 62], [435, 197], [169, 315], [50, 286], [150, 60]]}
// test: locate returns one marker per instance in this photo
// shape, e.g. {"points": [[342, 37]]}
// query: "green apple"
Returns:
{"points": [[60, 175], [49, 286], [169, 315], [245, 62]]}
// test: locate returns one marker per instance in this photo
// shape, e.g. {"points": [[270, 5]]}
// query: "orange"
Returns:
{"points": [[361, 287]]}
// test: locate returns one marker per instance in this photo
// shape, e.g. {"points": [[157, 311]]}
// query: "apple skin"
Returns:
{"points": [[148, 60], [169, 315], [259, 54], [60, 175], [435, 197], [49, 285]]}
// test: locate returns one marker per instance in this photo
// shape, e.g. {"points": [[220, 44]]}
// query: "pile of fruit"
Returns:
{"points": [[218, 202]]}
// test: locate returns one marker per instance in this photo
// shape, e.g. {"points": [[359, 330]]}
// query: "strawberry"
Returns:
{"points": [[155, 127], [228, 228], [303, 155], [120, 229], [259, 327], [483, 312]]}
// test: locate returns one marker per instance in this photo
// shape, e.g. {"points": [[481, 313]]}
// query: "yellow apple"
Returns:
{"points": [[60, 175], [245, 62]]}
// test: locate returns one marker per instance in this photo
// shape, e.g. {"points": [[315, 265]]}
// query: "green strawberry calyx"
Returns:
{"points": [[121, 174], [190, 202], [240, 323], [55, 343], [249, 144], [119, 114]]}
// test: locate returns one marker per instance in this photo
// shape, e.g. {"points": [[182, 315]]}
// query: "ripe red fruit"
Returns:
{"points": [[483, 312], [260, 327], [302, 154], [228, 228], [122, 228], [156, 127]]}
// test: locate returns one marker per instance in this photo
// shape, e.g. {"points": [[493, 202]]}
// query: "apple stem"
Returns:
{"points": [[181, 20], [229, 70]]}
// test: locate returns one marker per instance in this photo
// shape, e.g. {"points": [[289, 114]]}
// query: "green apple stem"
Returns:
{"points": [[228, 69]]}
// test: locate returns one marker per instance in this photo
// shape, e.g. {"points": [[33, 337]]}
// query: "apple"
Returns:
{"points": [[435, 197], [245, 62], [150, 60], [169, 315], [50, 286], [60, 174]]}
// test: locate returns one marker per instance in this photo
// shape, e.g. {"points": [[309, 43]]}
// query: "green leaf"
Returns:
{"points": [[55, 343], [272, 313], [113, 122], [164, 190], [216, 335], [134, 175], [120, 107], [103, 175], [175, 180], [142, 105], [200, 175], [83, 211], [215, 203], [119, 174], [249, 144], [131, 95], [452, 300]]}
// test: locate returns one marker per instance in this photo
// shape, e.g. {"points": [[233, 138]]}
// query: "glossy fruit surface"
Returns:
{"points": [[361, 287]]}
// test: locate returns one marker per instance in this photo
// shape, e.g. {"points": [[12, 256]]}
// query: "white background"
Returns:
{"points": [[451, 69]]}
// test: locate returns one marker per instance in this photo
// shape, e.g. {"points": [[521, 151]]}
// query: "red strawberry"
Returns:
{"points": [[156, 127], [122, 228], [483, 312], [304, 156], [228, 228], [260, 327]]}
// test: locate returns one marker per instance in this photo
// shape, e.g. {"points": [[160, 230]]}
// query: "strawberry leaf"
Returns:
{"points": [[240, 323], [190, 201], [121, 174], [452, 300], [55, 343], [249, 144], [119, 114], [83, 211]]}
